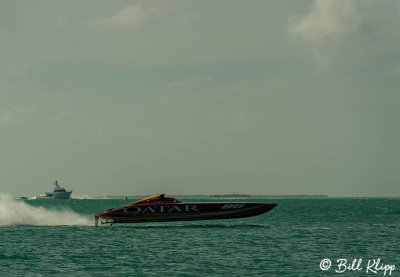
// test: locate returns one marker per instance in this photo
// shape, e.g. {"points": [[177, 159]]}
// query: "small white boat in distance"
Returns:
{"points": [[58, 193]]}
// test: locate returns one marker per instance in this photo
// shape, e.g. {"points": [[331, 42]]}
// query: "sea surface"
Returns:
{"points": [[58, 238]]}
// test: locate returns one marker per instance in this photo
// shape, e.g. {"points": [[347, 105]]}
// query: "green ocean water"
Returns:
{"points": [[58, 238]]}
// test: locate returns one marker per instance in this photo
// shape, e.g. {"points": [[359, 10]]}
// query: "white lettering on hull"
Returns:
{"points": [[161, 209], [191, 208], [149, 209]]}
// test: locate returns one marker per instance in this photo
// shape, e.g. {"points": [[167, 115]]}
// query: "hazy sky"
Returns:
{"points": [[200, 97]]}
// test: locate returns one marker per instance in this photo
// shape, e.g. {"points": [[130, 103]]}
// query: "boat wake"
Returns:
{"points": [[14, 212], [89, 197], [82, 197]]}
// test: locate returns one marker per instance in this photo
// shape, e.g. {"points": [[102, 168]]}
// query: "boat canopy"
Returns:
{"points": [[157, 198]]}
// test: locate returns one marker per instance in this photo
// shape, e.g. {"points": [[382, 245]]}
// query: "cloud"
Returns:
{"points": [[130, 16], [61, 115], [328, 22], [348, 32], [190, 82], [237, 122], [391, 72], [15, 114], [100, 133], [328, 19], [187, 19]]}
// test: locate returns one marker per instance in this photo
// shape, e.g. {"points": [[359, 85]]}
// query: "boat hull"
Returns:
{"points": [[62, 195], [184, 212], [55, 195]]}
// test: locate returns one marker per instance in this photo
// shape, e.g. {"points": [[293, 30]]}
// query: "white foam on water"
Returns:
{"points": [[82, 197], [85, 196], [16, 212]]}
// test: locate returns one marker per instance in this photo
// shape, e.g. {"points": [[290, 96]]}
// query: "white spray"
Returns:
{"points": [[14, 212]]}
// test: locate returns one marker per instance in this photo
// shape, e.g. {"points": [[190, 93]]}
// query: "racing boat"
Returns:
{"points": [[159, 208]]}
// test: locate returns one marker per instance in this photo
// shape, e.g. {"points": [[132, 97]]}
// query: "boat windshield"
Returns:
{"points": [[158, 198]]}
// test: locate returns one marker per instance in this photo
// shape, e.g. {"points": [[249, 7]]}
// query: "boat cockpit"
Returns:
{"points": [[158, 198]]}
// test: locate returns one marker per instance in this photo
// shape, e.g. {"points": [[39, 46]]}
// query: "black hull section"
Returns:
{"points": [[184, 212]]}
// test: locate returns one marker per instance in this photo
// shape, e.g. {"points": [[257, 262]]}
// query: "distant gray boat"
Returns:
{"points": [[58, 193]]}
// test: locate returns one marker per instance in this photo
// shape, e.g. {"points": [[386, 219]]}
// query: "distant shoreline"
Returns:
{"points": [[272, 195], [227, 195]]}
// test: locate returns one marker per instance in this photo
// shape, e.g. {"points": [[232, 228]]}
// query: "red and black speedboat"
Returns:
{"points": [[159, 208]]}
